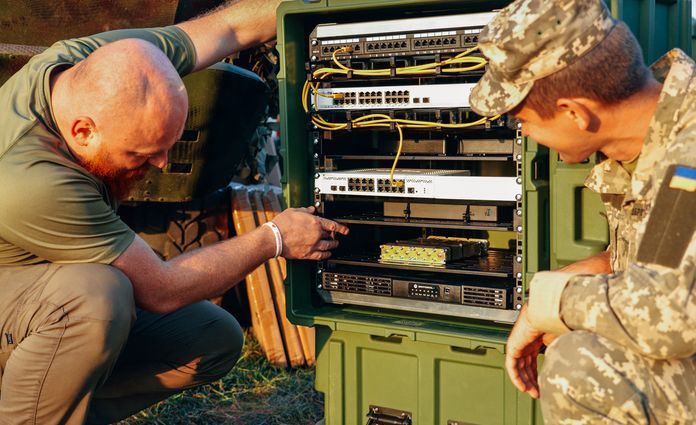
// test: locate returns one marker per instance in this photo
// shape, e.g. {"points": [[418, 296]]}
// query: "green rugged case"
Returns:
{"points": [[436, 379], [437, 368]]}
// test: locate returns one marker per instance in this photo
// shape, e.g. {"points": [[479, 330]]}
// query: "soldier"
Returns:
{"points": [[93, 325], [624, 321]]}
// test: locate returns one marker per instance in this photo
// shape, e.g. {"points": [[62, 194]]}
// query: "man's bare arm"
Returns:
{"points": [[232, 27], [164, 286]]}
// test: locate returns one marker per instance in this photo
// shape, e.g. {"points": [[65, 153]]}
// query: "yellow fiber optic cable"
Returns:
{"points": [[396, 158], [382, 120]]}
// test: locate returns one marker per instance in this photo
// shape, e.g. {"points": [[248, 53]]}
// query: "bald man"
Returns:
{"points": [[93, 325]]}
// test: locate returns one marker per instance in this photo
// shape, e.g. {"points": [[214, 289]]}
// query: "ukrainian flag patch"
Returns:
{"points": [[684, 179], [671, 226]]}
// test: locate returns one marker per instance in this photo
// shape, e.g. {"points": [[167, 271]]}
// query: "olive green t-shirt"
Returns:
{"points": [[52, 209]]}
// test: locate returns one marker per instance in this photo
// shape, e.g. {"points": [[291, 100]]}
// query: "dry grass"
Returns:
{"points": [[253, 393]]}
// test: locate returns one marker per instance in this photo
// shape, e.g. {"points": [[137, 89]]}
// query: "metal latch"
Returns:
{"points": [[385, 416]]}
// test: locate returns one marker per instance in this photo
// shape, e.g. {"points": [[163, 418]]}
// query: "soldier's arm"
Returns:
{"points": [[230, 28], [651, 306]]}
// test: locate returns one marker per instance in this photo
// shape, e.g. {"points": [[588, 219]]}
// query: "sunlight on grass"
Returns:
{"points": [[253, 393]]}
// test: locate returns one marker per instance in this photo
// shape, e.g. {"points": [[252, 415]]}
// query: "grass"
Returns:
{"points": [[253, 393]]}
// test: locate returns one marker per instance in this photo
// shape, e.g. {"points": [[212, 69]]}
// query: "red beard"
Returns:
{"points": [[119, 182]]}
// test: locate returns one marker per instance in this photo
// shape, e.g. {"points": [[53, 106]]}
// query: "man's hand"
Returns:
{"points": [[523, 346], [163, 287], [306, 236]]}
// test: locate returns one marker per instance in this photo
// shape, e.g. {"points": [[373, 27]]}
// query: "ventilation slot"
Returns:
{"points": [[357, 283]]}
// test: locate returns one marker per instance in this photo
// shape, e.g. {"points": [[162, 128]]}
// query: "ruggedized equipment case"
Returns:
{"points": [[416, 341]]}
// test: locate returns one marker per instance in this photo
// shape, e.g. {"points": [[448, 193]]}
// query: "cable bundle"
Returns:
{"points": [[382, 120]]}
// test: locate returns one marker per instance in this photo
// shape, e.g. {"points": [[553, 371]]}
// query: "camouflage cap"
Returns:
{"points": [[530, 39]]}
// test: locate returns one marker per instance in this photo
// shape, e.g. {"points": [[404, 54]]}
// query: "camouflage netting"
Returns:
{"points": [[29, 26], [13, 57], [40, 22]]}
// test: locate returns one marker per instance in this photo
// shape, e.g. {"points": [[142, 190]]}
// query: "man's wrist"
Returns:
{"points": [[277, 238]]}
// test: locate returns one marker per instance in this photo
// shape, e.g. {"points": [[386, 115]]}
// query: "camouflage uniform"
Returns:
{"points": [[630, 357]]}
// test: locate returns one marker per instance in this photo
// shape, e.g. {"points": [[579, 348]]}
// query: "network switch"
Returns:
{"points": [[398, 37], [434, 96], [424, 184]]}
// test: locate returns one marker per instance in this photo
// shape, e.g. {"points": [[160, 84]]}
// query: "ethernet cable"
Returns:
{"points": [[382, 120]]}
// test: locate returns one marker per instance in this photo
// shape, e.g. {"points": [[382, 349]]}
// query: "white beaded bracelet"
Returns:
{"points": [[278, 237]]}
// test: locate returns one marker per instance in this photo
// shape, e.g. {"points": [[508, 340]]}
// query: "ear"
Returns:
{"points": [[82, 130], [575, 111]]}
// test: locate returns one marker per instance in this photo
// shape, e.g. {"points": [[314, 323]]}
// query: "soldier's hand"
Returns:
{"points": [[306, 236], [523, 346]]}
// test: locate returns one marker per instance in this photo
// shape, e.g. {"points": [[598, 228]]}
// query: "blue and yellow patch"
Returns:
{"points": [[671, 225], [684, 179]]}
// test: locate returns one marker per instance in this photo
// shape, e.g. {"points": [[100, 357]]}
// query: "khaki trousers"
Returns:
{"points": [[74, 349]]}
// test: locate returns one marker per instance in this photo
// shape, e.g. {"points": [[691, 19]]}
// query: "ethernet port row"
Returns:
{"points": [[370, 97], [328, 50], [435, 42], [344, 101], [401, 96], [471, 39], [349, 98], [361, 185], [387, 45], [385, 186]]}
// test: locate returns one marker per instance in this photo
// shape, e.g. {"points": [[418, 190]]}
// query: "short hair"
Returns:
{"points": [[609, 73]]}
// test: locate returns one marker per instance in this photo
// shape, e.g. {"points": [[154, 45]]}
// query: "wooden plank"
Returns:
{"points": [[264, 321], [307, 335], [291, 337], [308, 338]]}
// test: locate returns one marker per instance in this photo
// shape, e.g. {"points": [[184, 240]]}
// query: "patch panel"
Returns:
{"points": [[440, 34], [436, 96], [387, 46], [436, 42], [328, 49], [470, 39]]}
